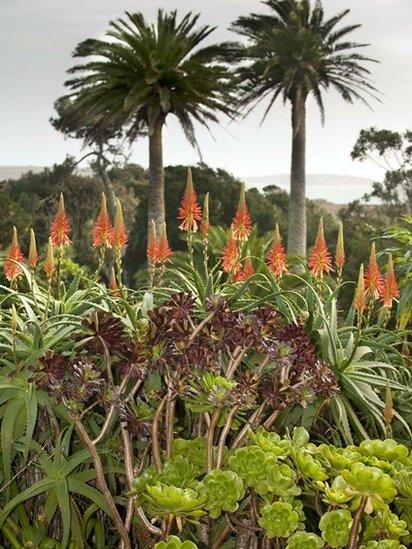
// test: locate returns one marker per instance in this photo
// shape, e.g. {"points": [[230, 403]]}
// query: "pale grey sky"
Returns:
{"points": [[38, 36]]}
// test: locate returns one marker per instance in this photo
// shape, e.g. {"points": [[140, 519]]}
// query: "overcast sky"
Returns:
{"points": [[38, 36]]}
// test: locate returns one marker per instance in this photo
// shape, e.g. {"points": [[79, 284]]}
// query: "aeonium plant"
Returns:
{"points": [[260, 495]]}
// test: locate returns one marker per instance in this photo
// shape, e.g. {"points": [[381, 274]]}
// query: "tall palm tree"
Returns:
{"points": [[291, 52], [142, 73]]}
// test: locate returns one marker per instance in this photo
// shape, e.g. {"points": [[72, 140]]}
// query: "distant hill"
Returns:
{"points": [[334, 188], [14, 172]]}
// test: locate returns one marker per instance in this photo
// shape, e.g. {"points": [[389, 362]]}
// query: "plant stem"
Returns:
{"points": [[101, 482], [155, 435], [128, 465], [170, 416], [223, 435], [200, 327], [209, 439], [220, 538], [271, 419], [353, 536], [252, 422], [235, 363]]}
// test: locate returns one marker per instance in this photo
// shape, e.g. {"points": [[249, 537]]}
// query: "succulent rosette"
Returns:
{"points": [[222, 490], [161, 501], [371, 482], [252, 464], [335, 527], [304, 540], [383, 544], [173, 542], [279, 519]]}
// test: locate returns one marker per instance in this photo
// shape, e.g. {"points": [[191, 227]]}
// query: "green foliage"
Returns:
{"points": [[279, 519], [304, 540], [223, 490], [173, 542], [162, 500], [335, 527]]}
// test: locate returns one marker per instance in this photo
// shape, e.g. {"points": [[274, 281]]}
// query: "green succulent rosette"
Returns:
{"points": [[161, 500], [212, 392], [178, 471], [194, 450], [279, 519], [173, 542], [309, 467], [383, 544], [147, 478], [337, 493], [336, 459], [222, 491], [385, 524], [281, 480], [251, 463], [271, 442], [403, 481], [371, 482], [304, 540], [335, 527], [387, 450]]}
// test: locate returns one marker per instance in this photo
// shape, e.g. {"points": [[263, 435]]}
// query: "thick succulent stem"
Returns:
{"points": [[252, 422], [101, 482], [223, 435], [221, 536], [155, 436], [170, 415], [353, 536], [209, 439]]}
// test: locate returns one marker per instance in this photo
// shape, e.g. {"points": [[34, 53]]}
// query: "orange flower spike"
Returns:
{"points": [[152, 249], [33, 255], [276, 259], [373, 277], [119, 239], [103, 230], [390, 286], [205, 224], [242, 222], [60, 227], [49, 262], [14, 257], [164, 251], [340, 251], [231, 255], [359, 299], [189, 211], [320, 261]]}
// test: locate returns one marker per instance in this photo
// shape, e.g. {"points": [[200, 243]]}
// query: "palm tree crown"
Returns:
{"points": [[297, 49], [142, 72]]}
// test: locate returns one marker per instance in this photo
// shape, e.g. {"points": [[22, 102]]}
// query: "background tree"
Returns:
{"points": [[98, 134], [143, 73], [393, 152], [293, 52]]}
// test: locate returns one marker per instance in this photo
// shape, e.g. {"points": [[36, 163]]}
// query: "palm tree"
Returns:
{"points": [[142, 73], [292, 52]]}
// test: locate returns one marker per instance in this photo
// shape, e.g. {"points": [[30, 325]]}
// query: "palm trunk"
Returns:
{"points": [[156, 199], [297, 202]]}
